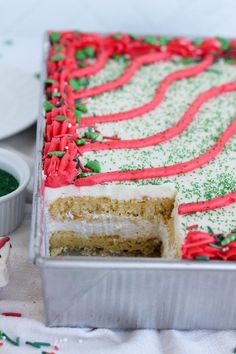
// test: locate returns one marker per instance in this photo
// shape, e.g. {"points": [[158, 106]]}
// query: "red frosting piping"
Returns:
{"points": [[99, 64], [159, 172], [157, 99], [205, 245], [215, 203], [168, 133], [125, 77]]}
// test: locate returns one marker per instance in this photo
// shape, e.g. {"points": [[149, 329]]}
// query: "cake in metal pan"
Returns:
{"points": [[139, 152]]}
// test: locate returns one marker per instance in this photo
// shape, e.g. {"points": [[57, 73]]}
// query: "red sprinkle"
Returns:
{"points": [[11, 314], [195, 226]]}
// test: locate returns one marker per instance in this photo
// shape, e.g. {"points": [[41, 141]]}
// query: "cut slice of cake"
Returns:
{"points": [[113, 220]]}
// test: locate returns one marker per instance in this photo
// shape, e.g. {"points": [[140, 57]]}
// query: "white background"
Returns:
{"points": [[190, 17]]}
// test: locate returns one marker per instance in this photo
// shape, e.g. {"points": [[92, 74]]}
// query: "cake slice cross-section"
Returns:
{"points": [[113, 220]]}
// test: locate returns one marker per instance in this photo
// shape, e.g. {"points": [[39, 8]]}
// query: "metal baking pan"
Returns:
{"points": [[128, 292]]}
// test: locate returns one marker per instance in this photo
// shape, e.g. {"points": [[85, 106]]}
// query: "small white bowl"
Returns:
{"points": [[12, 205]]}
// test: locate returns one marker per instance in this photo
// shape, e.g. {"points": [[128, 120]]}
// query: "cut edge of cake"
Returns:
{"points": [[117, 220]]}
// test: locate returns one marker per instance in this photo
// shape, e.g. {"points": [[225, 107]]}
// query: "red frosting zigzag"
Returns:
{"points": [[157, 99], [159, 172], [169, 133]]}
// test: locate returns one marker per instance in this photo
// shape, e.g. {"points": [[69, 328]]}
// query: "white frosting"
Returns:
{"points": [[119, 192], [107, 225]]}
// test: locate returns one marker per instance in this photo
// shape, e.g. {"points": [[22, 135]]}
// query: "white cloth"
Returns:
{"points": [[23, 294]]}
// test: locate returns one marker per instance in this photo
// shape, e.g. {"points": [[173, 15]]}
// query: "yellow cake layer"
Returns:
{"points": [[68, 242], [87, 207]]}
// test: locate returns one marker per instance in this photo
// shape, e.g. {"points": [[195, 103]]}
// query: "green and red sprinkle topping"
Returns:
{"points": [[199, 245]]}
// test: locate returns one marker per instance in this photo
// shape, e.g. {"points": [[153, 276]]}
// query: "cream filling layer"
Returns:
{"points": [[108, 226], [118, 226]]}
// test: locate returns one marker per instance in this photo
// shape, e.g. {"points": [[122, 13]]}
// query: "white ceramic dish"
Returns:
{"points": [[12, 204], [19, 92]]}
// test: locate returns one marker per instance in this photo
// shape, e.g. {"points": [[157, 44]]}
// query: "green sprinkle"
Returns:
{"points": [[82, 64], [202, 258], [228, 240], [75, 84], [234, 351], [43, 344], [230, 61], [212, 70], [210, 231], [14, 342], [33, 344], [94, 166], [215, 246], [81, 175], [54, 37], [49, 82], [150, 40], [57, 57], [84, 82], [78, 83], [80, 54], [89, 51], [90, 134], [37, 76], [117, 36], [225, 43], [58, 47], [47, 106], [61, 117], [77, 115], [81, 108], [56, 94], [163, 41], [80, 142], [187, 61], [118, 57], [133, 36], [219, 239], [78, 101], [197, 42], [56, 153], [58, 104]]}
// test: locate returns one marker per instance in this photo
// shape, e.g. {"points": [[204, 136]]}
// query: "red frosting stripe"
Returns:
{"points": [[168, 133], [214, 203], [159, 172], [157, 99], [125, 77], [99, 64]]}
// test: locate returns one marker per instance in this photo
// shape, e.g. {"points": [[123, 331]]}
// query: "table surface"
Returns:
{"points": [[24, 293]]}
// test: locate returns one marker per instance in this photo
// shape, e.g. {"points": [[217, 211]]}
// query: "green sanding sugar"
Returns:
{"points": [[8, 183]]}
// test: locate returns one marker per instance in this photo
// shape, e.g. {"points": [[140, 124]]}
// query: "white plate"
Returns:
{"points": [[19, 95]]}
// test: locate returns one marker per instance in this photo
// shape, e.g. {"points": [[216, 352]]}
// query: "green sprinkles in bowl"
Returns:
{"points": [[8, 183]]}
